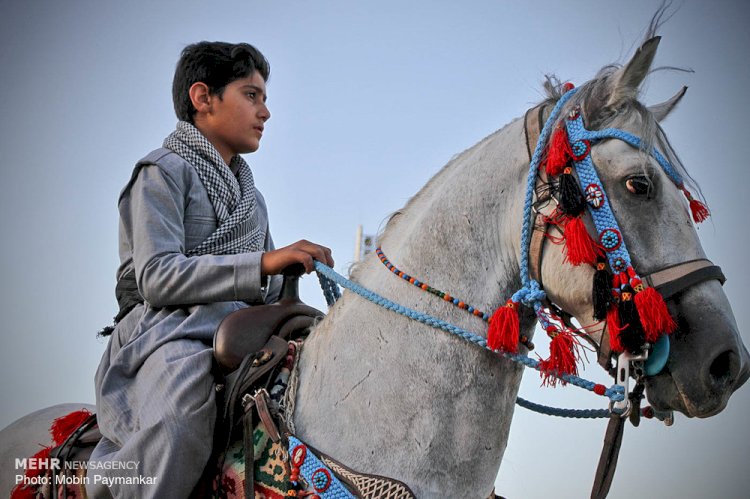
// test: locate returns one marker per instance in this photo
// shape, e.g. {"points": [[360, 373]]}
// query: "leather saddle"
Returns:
{"points": [[248, 345], [249, 330]]}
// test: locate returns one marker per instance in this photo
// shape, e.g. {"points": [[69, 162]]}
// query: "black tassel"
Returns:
{"points": [[569, 195], [632, 336], [602, 291]]}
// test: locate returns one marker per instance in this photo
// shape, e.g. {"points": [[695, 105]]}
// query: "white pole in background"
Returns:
{"points": [[358, 245]]}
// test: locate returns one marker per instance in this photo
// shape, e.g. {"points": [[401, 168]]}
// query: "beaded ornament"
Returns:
{"points": [[634, 314], [442, 295], [307, 471]]}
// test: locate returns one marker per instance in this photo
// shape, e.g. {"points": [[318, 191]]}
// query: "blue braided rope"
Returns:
{"points": [[563, 413], [330, 289], [635, 141], [528, 293], [603, 216], [615, 393]]}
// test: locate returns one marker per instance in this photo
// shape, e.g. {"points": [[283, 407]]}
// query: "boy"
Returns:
{"points": [[194, 247]]}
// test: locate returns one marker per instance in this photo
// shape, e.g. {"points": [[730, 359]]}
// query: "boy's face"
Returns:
{"points": [[234, 122]]}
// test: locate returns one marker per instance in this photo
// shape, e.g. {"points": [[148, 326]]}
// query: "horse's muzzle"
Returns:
{"points": [[708, 361]]}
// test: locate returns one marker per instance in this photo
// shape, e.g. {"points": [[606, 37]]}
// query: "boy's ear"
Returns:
{"points": [[200, 96]]}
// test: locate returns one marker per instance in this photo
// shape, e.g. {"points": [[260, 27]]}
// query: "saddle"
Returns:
{"points": [[248, 346], [248, 330]]}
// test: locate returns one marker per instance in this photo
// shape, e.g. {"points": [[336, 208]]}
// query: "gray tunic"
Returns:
{"points": [[154, 387]]}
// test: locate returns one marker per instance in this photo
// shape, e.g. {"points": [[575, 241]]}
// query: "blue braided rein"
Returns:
{"points": [[329, 279]]}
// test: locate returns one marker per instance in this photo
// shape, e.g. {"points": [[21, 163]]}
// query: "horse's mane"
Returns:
{"points": [[592, 97]]}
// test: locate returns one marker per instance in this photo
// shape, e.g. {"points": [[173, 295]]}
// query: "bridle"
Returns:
{"points": [[668, 281]]}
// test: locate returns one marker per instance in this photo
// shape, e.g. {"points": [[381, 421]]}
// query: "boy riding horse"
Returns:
{"points": [[194, 246]]}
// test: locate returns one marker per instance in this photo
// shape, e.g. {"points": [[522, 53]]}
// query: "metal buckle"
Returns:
{"points": [[622, 378], [539, 204]]}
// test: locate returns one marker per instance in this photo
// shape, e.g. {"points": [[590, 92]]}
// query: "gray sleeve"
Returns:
{"points": [[165, 275], [274, 285]]}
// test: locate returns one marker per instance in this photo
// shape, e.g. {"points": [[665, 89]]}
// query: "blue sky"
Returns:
{"points": [[368, 101]]}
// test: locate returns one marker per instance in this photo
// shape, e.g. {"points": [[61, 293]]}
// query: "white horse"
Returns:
{"points": [[390, 396], [386, 395]]}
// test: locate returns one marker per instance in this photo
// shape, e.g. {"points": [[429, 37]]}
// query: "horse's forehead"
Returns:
{"points": [[615, 158], [646, 224]]}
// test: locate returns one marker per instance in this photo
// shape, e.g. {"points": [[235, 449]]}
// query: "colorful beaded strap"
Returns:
{"points": [[309, 472], [441, 294], [635, 315]]}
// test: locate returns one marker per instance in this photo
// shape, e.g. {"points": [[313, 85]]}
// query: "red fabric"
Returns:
{"points": [[559, 152], [64, 426], [60, 430], [563, 358], [29, 491], [504, 328], [580, 248], [654, 314], [699, 211], [614, 328]]}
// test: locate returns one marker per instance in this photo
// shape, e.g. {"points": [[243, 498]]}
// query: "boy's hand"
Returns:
{"points": [[273, 262]]}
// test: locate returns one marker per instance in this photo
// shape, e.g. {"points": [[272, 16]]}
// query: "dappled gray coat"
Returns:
{"points": [[154, 388]]}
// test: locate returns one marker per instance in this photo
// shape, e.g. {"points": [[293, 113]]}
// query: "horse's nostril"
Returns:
{"points": [[721, 367]]}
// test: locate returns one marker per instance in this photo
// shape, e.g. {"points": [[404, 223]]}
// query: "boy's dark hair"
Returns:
{"points": [[216, 64]]}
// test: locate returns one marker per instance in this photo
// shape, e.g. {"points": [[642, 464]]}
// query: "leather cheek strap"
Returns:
{"points": [[533, 122]]}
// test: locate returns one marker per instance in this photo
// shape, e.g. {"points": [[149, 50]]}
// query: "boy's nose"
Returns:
{"points": [[264, 113]]}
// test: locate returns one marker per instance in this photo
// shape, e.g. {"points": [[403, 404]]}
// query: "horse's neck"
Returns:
{"points": [[391, 396], [460, 233]]}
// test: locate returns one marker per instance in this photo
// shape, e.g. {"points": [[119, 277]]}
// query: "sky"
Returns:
{"points": [[368, 101]]}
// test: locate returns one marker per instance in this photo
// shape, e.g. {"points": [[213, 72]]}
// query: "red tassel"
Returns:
{"points": [[64, 426], [614, 328], [653, 313], [60, 430], [563, 355], [698, 210], [504, 328], [579, 246], [559, 152], [22, 491]]}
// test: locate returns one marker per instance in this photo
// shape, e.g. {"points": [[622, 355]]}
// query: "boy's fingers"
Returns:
{"points": [[329, 257], [306, 260], [315, 251], [324, 255]]}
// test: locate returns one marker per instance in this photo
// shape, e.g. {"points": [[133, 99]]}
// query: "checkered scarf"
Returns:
{"points": [[233, 197]]}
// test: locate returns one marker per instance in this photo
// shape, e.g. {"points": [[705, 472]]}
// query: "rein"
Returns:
{"points": [[331, 278]]}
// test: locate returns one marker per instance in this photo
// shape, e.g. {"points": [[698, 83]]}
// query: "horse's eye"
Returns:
{"points": [[640, 185]]}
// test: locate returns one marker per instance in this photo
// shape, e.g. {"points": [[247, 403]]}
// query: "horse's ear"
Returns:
{"points": [[660, 111], [627, 80]]}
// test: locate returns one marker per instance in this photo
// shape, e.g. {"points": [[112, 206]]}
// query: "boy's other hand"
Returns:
{"points": [[304, 252]]}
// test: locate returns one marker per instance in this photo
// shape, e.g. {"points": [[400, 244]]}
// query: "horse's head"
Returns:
{"points": [[707, 360]]}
